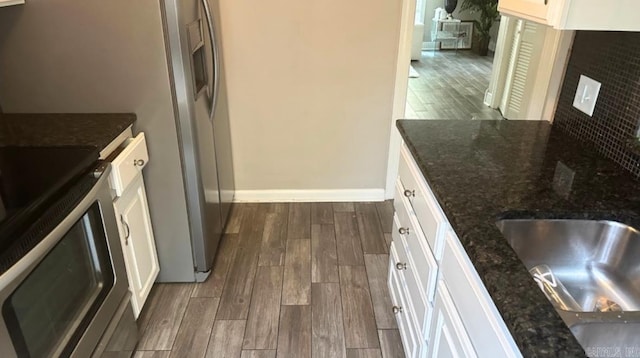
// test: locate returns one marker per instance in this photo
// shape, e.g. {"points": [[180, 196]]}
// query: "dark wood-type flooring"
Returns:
{"points": [[290, 280], [451, 86]]}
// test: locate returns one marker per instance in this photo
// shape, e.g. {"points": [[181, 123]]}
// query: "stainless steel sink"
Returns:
{"points": [[597, 261]]}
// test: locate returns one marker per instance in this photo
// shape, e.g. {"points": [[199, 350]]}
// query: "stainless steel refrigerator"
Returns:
{"points": [[159, 59]]}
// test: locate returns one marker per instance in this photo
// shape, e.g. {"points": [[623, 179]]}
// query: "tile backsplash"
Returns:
{"points": [[612, 58]]}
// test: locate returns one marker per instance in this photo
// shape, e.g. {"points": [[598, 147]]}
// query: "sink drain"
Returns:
{"points": [[604, 304]]}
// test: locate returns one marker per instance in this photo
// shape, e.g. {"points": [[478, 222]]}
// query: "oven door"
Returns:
{"points": [[60, 297]]}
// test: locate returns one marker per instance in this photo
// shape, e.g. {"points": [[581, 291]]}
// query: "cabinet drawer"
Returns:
{"points": [[129, 163], [423, 262], [422, 201], [416, 294], [410, 339], [486, 329]]}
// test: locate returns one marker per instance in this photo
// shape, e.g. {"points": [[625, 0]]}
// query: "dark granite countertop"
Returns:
{"points": [[481, 171], [61, 129]]}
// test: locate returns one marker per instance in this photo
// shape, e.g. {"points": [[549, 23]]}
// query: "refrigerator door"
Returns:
{"points": [[205, 103], [193, 66], [221, 126]]}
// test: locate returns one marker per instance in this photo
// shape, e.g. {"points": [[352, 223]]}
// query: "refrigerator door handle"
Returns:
{"points": [[215, 59]]}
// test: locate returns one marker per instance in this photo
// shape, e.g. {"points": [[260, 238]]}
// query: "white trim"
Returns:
{"points": [[400, 92], [493, 95], [544, 80], [563, 41], [317, 195], [11, 2], [510, 66]]}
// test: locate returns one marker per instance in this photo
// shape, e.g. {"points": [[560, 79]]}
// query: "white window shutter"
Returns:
{"points": [[525, 56]]}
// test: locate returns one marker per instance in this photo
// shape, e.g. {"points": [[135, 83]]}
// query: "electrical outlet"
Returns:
{"points": [[586, 95]]}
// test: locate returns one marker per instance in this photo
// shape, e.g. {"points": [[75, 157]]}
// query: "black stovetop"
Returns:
{"points": [[31, 178]]}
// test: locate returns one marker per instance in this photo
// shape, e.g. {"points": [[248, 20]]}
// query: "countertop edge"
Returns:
{"points": [[62, 129]]}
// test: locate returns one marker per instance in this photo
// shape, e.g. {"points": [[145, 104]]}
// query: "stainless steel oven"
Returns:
{"points": [[67, 296]]}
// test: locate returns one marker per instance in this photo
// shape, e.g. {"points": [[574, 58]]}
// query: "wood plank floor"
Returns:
{"points": [[451, 86], [290, 281]]}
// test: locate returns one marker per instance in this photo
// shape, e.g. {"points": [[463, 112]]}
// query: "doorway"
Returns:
{"points": [[528, 69], [451, 85], [557, 49], [447, 79]]}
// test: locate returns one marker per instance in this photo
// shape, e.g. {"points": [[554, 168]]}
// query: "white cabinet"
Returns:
{"points": [[402, 308], [423, 203], [128, 158], [137, 241], [445, 309], [533, 10], [620, 15], [129, 163], [10, 2], [485, 328], [448, 337]]}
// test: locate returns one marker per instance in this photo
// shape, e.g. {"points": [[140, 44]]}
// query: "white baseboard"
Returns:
{"points": [[320, 195], [488, 98]]}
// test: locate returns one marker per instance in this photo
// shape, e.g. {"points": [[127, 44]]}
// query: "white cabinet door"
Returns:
{"points": [[137, 242], [534, 10], [402, 308], [526, 55], [616, 15], [448, 337]]}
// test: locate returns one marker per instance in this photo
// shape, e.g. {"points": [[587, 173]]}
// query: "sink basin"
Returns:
{"points": [[597, 261]]}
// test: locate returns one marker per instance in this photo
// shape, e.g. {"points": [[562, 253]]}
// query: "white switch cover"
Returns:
{"points": [[586, 95]]}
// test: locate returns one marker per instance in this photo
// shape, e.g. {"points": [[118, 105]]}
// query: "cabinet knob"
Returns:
{"points": [[410, 193], [396, 309], [138, 162], [401, 266], [403, 231]]}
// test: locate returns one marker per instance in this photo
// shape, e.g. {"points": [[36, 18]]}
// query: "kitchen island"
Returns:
{"points": [[483, 171]]}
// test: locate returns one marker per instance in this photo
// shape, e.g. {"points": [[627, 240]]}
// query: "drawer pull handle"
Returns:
{"points": [[403, 231], [409, 193], [138, 162], [127, 230], [396, 309], [401, 266]]}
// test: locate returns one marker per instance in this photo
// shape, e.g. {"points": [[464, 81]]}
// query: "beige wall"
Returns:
{"points": [[310, 91]]}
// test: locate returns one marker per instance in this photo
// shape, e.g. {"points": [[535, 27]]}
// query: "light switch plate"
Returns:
{"points": [[586, 95]]}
